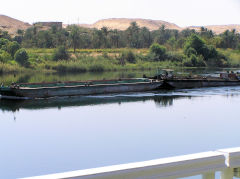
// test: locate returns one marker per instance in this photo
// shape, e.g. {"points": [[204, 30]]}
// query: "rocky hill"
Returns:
{"points": [[12, 25]]}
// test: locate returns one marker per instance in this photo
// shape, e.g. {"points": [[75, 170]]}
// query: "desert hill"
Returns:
{"points": [[124, 23], [218, 29], [12, 25]]}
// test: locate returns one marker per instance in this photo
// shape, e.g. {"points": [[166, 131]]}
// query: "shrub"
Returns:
{"points": [[129, 56], [60, 54], [218, 62], [190, 51], [96, 68], [4, 56], [174, 56], [151, 57], [213, 53], [158, 50], [197, 61], [105, 55], [66, 67], [194, 61], [21, 57]]}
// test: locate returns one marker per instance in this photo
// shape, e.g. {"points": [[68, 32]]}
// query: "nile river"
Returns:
{"points": [[65, 134]]}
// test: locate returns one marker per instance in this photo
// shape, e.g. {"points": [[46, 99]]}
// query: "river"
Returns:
{"points": [[64, 134]]}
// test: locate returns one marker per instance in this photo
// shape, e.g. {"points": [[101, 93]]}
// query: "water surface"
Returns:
{"points": [[65, 134]]}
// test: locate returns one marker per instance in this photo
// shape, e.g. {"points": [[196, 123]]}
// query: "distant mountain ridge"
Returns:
{"points": [[12, 25]]}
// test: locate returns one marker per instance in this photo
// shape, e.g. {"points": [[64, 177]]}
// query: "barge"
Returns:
{"points": [[184, 82], [78, 88]]}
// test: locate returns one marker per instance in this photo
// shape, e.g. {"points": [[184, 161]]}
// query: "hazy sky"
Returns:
{"points": [[180, 12]]}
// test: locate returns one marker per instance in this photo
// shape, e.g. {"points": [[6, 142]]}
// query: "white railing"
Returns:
{"points": [[227, 161]]}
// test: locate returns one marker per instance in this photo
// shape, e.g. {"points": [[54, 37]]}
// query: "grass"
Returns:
{"points": [[232, 55], [10, 68], [100, 64], [86, 60]]}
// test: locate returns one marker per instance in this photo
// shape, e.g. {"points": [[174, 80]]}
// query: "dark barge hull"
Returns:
{"points": [[46, 92], [199, 83]]}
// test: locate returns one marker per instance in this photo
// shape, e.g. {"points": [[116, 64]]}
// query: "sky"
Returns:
{"points": [[181, 12]]}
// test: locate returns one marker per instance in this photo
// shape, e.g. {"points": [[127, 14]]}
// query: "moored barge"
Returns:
{"points": [[224, 79], [75, 88], [183, 83]]}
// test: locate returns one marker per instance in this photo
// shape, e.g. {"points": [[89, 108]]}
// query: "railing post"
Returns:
{"points": [[227, 173], [210, 175]]}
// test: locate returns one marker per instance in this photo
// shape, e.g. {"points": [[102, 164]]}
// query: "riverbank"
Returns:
{"points": [[105, 60]]}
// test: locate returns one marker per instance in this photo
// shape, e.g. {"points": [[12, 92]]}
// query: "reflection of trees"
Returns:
{"points": [[9, 105], [165, 101], [23, 79], [20, 78]]}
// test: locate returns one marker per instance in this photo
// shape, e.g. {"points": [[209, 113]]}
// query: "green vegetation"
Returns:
{"points": [[21, 57], [78, 49], [60, 54]]}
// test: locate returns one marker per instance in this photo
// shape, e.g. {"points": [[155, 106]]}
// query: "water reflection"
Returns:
{"points": [[65, 134], [161, 100], [48, 77]]}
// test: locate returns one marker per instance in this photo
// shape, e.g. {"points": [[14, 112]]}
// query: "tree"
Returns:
{"points": [[12, 47], [105, 33], [21, 57], [145, 38], [187, 32], [172, 43], [196, 46], [44, 39], [205, 33], [3, 43], [97, 38], [195, 42], [5, 35], [133, 35], [114, 38], [75, 37], [229, 39]]}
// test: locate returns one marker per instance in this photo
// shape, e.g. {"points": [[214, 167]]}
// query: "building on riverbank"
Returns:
{"points": [[58, 25]]}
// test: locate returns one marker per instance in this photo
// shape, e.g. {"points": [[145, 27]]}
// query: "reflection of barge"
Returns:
{"points": [[46, 90], [75, 101]]}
